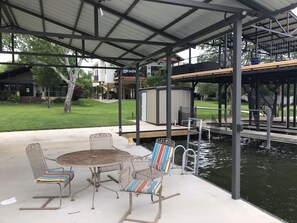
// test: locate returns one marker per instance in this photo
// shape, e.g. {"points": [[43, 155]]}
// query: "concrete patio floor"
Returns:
{"points": [[199, 201]]}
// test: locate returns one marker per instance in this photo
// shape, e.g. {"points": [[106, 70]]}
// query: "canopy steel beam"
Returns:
{"points": [[42, 14], [271, 30], [117, 23], [62, 25], [189, 38], [132, 20], [207, 6], [80, 51], [82, 37], [258, 7], [254, 21], [191, 11], [59, 65], [77, 19]]}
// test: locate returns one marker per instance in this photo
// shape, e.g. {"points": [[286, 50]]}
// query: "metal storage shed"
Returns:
{"points": [[153, 103]]}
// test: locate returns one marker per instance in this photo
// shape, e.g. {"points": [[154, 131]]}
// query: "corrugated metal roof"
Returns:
{"points": [[126, 26]]}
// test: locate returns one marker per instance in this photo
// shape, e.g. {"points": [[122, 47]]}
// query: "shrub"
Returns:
{"points": [[77, 93], [13, 98]]}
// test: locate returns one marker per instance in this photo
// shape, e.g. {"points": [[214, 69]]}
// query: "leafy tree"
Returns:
{"points": [[206, 89], [85, 82], [158, 79], [46, 77], [27, 43]]}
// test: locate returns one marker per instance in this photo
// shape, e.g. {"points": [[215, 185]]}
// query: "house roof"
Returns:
{"points": [[126, 32], [14, 72]]}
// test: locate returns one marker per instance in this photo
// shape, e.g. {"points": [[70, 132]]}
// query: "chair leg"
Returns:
{"points": [[129, 210], [49, 199], [124, 218], [160, 207]]}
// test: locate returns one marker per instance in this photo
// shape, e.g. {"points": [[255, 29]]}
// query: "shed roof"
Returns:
{"points": [[125, 32]]}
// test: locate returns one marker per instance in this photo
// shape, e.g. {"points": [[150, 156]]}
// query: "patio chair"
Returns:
{"points": [[103, 141], [150, 186], [44, 175], [160, 163]]}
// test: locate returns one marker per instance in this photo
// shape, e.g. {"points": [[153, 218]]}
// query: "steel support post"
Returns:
{"points": [[168, 93], [282, 102], [220, 52], [120, 101], [12, 47], [288, 103], [225, 51], [225, 106], [220, 104], [190, 55], [294, 102], [269, 119], [236, 104], [194, 84], [257, 112], [137, 106]]}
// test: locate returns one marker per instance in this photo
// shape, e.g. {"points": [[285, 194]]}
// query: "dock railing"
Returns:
{"points": [[220, 120]]}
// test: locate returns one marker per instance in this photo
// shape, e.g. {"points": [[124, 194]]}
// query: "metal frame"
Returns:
{"points": [[172, 45]]}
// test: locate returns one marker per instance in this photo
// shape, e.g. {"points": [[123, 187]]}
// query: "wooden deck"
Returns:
{"points": [[225, 71], [275, 137]]}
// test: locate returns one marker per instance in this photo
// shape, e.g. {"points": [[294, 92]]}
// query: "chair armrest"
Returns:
{"points": [[51, 159], [58, 168]]}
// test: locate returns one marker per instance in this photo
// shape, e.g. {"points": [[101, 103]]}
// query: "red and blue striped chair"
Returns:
{"points": [[144, 175], [160, 160], [44, 175]]}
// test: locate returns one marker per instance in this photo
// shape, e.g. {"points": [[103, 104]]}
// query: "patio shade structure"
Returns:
{"points": [[133, 33]]}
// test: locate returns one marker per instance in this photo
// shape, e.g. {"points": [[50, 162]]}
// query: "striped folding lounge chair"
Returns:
{"points": [[160, 163], [138, 186]]}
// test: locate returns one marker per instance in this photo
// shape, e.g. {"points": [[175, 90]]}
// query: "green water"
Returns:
{"points": [[268, 177]]}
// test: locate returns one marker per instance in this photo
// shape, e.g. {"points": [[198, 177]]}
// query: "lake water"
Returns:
{"points": [[268, 177]]}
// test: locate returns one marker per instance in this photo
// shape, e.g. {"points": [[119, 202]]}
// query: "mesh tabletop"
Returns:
{"points": [[91, 158]]}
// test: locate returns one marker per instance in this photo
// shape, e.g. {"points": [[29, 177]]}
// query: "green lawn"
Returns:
{"points": [[86, 113], [209, 109]]}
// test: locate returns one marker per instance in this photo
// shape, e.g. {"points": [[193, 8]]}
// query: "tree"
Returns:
{"points": [[69, 75], [205, 89], [46, 77], [158, 79], [85, 82]]}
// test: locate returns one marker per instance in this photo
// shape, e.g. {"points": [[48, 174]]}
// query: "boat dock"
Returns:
{"points": [[200, 201]]}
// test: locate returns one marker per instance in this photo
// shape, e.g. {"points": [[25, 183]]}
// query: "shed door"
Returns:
{"points": [[143, 106]]}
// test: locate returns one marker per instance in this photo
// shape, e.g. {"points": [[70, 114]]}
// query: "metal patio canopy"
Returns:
{"points": [[131, 33]]}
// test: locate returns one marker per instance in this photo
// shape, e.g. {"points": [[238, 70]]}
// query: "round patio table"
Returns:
{"points": [[92, 159]]}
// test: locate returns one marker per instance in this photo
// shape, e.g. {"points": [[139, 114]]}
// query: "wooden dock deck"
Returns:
{"points": [[275, 137]]}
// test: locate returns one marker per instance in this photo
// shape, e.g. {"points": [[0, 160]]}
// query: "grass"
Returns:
{"points": [[209, 109], [86, 113]]}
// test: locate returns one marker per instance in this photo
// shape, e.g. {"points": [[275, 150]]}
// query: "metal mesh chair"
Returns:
{"points": [[131, 185], [103, 141], [160, 163], [44, 175]]}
